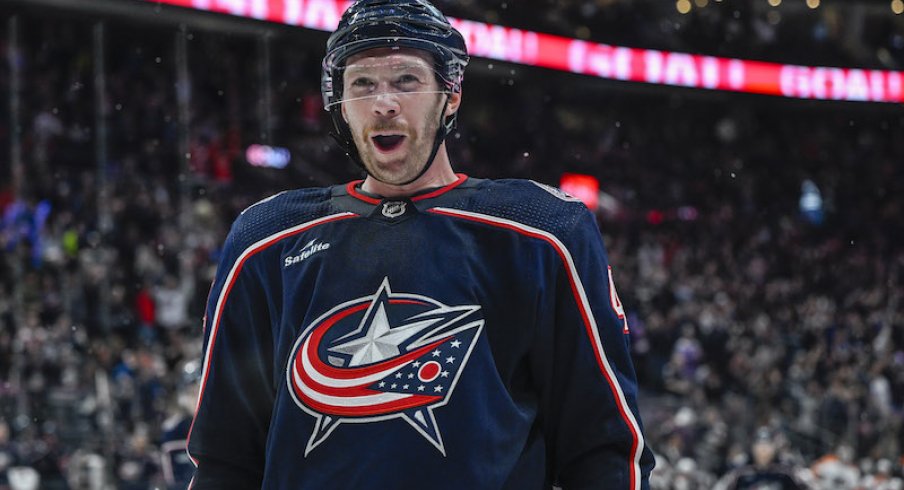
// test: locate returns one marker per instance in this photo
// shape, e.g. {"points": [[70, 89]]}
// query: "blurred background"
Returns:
{"points": [[756, 231]]}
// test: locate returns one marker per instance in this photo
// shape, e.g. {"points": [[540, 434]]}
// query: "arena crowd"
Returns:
{"points": [[751, 318]]}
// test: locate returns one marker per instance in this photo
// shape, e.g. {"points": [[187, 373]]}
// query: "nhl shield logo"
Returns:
{"points": [[394, 209], [380, 357]]}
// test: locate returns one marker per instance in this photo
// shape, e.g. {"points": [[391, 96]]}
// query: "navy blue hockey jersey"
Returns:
{"points": [[469, 337]]}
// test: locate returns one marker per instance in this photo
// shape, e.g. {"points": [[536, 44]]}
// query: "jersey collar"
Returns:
{"points": [[354, 191]]}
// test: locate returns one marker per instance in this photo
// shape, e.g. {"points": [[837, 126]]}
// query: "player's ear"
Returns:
{"points": [[454, 103], [344, 115]]}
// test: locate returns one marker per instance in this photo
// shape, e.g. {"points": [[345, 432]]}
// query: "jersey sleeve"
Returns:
{"points": [[596, 431], [229, 431]]}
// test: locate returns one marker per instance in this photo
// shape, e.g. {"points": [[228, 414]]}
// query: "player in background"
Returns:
{"points": [[418, 328], [766, 471]]}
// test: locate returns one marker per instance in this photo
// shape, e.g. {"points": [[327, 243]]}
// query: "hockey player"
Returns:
{"points": [[766, 470], [419, 328]]}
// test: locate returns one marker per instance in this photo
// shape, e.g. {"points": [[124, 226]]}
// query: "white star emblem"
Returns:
{"points": [[438, 388], [444, 374], [420, 388], [375, 340], [456, 343], [436, 353], [450, 360]]}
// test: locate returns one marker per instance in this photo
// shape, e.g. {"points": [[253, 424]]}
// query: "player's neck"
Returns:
{"points": [[438, 175]]}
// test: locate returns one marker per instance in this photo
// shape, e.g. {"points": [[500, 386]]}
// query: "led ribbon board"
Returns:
{"points": [[604, 61]]}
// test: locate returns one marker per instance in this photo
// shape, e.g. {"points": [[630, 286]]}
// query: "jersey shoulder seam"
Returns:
{"points": [[277, 213]]}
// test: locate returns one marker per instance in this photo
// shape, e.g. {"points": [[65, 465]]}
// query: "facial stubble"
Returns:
{"points": [[405, 168]]}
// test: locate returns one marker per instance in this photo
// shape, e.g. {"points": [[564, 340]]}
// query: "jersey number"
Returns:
{"points": [[616, 303]]}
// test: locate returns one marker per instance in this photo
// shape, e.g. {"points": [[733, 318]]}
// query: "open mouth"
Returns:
{"points": [[389, 142]]}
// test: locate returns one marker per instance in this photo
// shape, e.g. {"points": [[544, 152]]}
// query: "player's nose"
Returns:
{"points": [[386, 105]]}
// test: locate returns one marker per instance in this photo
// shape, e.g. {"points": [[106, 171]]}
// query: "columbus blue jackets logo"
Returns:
{"points": [[380, 357]]}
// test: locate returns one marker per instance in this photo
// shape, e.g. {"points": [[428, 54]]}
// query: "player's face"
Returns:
{"points": [[763, 452], [392, 104]]}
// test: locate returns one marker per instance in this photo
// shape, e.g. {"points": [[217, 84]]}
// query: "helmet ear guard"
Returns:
{"points": [[372, 24]]}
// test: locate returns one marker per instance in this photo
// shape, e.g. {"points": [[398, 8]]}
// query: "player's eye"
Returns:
{"points": [[362, 82], [408, 80]]}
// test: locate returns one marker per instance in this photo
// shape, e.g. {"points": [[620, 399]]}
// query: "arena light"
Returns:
{"points": [[268, 156], [688, 213], [897, 6], [811, 204], [605, 61], [584, 187], [655, 217]]}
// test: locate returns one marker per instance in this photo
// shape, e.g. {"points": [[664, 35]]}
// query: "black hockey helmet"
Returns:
{"points": [[370, 24]]}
